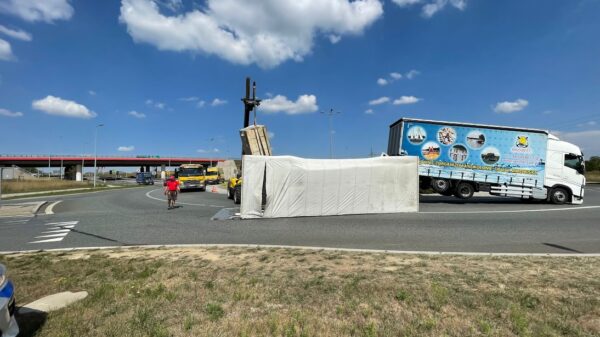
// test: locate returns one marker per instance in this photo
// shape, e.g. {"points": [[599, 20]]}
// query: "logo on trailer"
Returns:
{"points": [[522, 142]]}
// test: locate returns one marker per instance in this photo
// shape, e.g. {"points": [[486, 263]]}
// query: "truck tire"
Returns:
{"points": [[440, 185], [559, 196], [237, 195], [464, 190], [229, 193]]}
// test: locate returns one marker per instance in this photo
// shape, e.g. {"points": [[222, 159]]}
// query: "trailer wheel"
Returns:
{"points": [[464, 190], [559, 196], [440, 185]]}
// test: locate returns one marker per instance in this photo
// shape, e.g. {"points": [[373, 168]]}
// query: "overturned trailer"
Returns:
{"points": [[297, 187]]}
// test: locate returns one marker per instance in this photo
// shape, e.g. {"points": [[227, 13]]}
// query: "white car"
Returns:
{"points": [[8, 324]]}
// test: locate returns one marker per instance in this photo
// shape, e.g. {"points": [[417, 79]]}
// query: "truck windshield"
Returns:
{"points": [[575, 162], [189, 172]]}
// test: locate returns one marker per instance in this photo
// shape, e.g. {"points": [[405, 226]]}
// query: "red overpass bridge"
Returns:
{"points": [[73, 164]]}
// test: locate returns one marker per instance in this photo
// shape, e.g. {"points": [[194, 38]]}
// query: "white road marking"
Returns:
{"points": [[62, 223], [179, 202], [57, 232], [50, 208], [61, 227], [48, 240], [58, 235]]}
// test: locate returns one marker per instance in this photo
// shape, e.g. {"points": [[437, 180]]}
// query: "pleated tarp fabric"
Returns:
{"points": [[316, 187]]}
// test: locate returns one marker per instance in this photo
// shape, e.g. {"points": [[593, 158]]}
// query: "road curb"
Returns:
{"points": [[313, 248]]}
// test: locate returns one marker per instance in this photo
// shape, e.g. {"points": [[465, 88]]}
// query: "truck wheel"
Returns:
{"points": [[464, 190], [237, 196], [448, 192], [440, 185], [229, 193], [559, 196]]}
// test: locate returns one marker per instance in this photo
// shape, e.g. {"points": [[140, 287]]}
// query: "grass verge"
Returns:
{"points": [[284, 292], [98, 188], [593, 176], [39, 185]]}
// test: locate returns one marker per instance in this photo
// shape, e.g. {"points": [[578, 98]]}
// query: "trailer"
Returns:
{"points": [[462, 158]]}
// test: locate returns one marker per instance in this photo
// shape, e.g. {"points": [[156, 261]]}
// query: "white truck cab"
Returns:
{"points": [[564, 178]]}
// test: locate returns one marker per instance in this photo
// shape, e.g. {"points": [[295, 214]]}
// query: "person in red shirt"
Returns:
{"points": [[171, 190]]}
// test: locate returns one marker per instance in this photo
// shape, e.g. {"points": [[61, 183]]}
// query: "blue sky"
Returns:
{"points": [[166, 77]]}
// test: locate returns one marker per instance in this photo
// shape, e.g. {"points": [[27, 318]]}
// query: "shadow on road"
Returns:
{"points": [[103, 238], [553, 245], [435, 199]]}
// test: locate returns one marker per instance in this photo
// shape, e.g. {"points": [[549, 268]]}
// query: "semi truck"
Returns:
{"points": [[462, 158]]}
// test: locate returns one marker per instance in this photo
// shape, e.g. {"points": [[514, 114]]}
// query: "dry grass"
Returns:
{"points": [[39, 185], [593, 176], [279, 292]]}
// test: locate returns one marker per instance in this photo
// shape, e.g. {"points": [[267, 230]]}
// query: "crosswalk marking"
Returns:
{"points": [[48, 240], [56, 231]]}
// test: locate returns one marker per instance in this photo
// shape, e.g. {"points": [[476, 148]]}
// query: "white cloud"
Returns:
{"points": [[15, 34], [200, 104], [136, 114], [382, 81], [369, 111], [380, 100], [403, 100], [411, 74], [435, 6], [279, 103], [126, 148], [510, 107], [267, 32], [271, 134], [431, 7], [6, 53], [218, 101], [406, 3], [590, 123], [395, 76], [215, 150], [334, 38], [38, 10], [8, 113], [586, 140], [62, 107], [189, 99], [157, 105], [92, 92]]}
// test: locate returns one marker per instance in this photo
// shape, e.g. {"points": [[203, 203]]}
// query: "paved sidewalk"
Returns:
{"points": [[21, 209]]}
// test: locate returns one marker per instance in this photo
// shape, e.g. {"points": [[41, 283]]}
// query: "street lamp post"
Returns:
{"points": [[96, 151], [330, 114]]}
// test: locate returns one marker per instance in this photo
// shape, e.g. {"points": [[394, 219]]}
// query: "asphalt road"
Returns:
{"points": [[139, 216]]}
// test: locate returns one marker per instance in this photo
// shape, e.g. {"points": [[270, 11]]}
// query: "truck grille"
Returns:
{"points": [[192, 182]]}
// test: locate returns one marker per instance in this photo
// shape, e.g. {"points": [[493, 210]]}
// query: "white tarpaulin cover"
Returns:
{"points": [[315, 187]]}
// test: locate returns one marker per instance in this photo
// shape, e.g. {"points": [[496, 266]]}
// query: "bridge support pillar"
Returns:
{"points": [[70, 172], [141, 169], [78, 172], [147, 168]]}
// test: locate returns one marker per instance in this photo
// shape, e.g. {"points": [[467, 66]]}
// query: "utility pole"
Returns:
{"points": [[330, 115], [2, 177], [96, 151]]}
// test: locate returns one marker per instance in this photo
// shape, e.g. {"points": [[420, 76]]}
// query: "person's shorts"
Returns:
{"points": [[172, 195]]}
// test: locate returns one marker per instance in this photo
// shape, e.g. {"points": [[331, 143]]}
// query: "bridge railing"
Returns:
{"points": [[98, 156]]}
